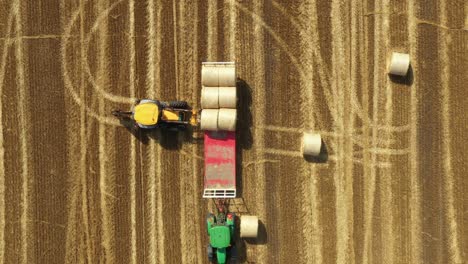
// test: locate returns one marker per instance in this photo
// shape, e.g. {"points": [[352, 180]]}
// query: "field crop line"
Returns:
{"points": [[315, 46], [6, 46], [194, 82], [310, 193], [355, 75], [285, 48], [356, 137], [312, 42], [79, 98], [416, 254], [104, 156], [232, 31], [386, 208], [155, 234], [258, 97], [72, 239], [24, 135], [83, 111], [132, 167], [83, 160], [371, 181], [72, 218], [366, 129], [344, 215], [323, 75], [178, 13], [454, 250], [213, 30]]}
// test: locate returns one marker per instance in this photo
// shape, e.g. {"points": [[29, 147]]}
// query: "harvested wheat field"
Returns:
{"points": [[78, 187]]}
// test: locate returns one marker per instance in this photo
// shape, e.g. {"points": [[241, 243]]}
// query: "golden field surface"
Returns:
{"points": [[78, 187]]}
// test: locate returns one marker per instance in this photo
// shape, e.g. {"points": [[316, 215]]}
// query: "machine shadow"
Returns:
{"points": [[167, 139], [244, 123]]}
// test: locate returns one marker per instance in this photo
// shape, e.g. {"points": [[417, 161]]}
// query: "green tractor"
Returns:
{"points": [[221, 230]]}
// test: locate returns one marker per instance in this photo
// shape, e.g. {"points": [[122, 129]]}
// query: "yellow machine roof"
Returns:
{"points": [[146, 114]]}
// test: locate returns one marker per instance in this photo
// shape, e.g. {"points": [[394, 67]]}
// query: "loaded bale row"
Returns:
{"points": [[218, 96]]}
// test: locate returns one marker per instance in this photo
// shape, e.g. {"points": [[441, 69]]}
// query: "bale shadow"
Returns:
{"points": [[321, 158], [404, 80], [244, 139], [262, 239]]}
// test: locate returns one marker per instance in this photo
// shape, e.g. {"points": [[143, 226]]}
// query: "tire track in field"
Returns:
{"points": [[79, 98], [344, 210], [6, 47], [331, 158], [24, 136], [132, 167], [313, 39], [324, 76], [448, 181], [415, 185], [154, 222], [103, 16], [357, 138], [285, 48]]}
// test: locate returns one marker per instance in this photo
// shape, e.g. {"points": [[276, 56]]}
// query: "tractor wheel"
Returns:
{"points": [[163, 104], [234, 254], [227, 119], [210, 253], [227, 97], [178, 104], [209, 119], [209, 98], [311, 144], [248, 226]]}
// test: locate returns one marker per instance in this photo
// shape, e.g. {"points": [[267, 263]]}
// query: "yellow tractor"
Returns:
{"points": [[151, 114], [218, 103]]}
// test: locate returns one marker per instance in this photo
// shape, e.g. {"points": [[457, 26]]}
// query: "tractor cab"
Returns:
{"points": [[146, 114]]}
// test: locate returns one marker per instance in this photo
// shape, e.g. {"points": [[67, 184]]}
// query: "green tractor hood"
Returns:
{"points": [[220, 237]]}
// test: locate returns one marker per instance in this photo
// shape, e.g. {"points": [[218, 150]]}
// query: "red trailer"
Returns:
{"points": [[220, 164]]}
